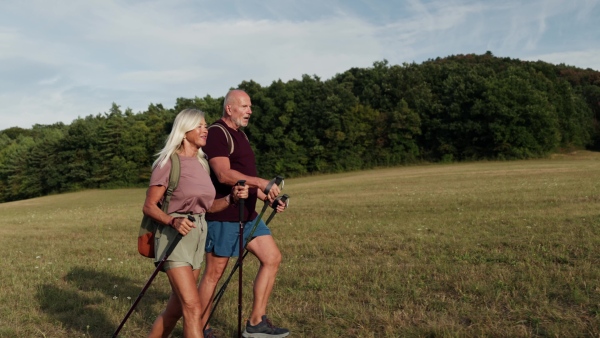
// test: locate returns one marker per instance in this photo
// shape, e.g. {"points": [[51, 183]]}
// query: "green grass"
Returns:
{"points": [[494, 249]]}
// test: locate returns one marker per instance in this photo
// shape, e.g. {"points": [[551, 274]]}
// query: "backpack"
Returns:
{"points": [[148, 226], [227, 135]]}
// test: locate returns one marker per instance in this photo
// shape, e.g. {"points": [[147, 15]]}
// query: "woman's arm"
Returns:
{"points": [[237, 192], [151, 209]]}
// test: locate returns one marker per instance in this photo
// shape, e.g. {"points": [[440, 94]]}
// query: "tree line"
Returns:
{"points": [[458, 108]]}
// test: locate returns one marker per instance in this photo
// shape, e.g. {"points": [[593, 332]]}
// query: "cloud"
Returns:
{"points": [[581, 58], [49, 81], [74, 58], [134, 52]]}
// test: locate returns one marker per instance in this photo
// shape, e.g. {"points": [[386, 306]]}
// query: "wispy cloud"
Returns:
{"points": [[74, 58], [582, 58], [49, 81]]}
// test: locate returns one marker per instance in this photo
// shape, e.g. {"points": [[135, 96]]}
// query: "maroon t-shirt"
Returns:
{"points": [[242, 159]]}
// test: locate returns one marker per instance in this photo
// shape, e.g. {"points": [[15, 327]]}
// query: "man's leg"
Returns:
{"points": [[215, 266], [267, 252]]}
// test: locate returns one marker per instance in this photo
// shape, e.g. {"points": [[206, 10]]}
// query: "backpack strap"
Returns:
{"points": [[228, 136], [173, 179]]}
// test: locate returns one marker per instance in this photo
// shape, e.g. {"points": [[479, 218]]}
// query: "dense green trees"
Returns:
{"points": [[464, 107]]}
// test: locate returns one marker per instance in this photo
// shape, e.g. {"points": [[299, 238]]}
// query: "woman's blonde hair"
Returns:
{"points": [[186, 120]]}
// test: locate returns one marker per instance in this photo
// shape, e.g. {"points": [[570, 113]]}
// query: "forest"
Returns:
{"points": [[458, 108]]}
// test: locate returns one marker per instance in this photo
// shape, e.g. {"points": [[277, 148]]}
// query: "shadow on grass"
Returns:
{"points": [[223, 326], [80, 304]]}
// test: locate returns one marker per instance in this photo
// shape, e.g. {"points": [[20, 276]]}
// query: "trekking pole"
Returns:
{"points": [[277, 180], [219, 294], [285, 200], [158, 268], [241, 239]]}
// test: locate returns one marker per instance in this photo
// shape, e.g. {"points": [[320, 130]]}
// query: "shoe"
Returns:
{"points": [[208, 333], [264, 329]]}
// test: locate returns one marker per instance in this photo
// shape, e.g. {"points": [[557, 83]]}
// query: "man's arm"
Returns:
{"points": [[228, 176]]}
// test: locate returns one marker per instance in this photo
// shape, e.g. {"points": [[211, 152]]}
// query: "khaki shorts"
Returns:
{"points": [[190, 249]]}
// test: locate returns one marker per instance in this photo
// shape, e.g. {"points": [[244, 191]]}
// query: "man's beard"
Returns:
{"points": [[241, 122]]}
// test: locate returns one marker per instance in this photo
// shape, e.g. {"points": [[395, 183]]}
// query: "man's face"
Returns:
{"points": [[240, 109]]}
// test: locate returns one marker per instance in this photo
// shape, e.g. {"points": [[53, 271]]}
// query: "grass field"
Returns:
{"points": [[487, 249]]}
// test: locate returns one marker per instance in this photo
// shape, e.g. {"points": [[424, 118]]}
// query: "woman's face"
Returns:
{"points": [[197, 136]]}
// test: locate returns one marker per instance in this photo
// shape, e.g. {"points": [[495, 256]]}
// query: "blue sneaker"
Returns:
{"points": [[264, 329]]}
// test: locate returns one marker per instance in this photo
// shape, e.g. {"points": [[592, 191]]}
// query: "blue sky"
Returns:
{"points": [[60, 60]]}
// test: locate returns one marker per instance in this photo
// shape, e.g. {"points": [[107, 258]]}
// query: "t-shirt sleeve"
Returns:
{"points": [[160, 176], [216, 143]]}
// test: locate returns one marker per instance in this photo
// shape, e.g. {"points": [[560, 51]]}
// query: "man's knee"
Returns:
{"points": [[271, 258], [212, 277], [214, 270], [265, 249]]}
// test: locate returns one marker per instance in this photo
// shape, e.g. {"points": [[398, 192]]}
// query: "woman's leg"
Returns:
{"points": [[166, 321], [183, 283]]}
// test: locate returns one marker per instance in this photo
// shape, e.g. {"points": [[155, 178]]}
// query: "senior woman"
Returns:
{"points": [[194, 195]]}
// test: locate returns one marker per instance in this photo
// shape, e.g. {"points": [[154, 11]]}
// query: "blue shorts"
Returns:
{"points": [[223, 237]]}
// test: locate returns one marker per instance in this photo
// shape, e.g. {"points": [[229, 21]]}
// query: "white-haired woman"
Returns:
{"points": [[194, 195]]}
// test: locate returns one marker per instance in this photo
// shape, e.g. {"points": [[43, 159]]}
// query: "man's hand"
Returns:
{"points": [[281, 206], [273, 192]]}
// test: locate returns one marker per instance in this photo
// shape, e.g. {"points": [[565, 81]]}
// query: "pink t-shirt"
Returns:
{"points": [[195, 192]]}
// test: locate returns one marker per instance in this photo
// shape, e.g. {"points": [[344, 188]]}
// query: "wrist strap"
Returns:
{"points": [[277, 180]]}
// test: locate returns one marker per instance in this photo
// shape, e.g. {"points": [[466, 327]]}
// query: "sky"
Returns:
{"points": [[61, 60]]}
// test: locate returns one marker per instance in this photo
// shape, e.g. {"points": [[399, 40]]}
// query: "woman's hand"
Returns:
{"points": [[239, 192], [182, 225]]}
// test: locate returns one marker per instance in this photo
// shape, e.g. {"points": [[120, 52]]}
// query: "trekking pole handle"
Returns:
{"points": [[284, 198], [277, 180], [241, 201], [241, 183]]}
